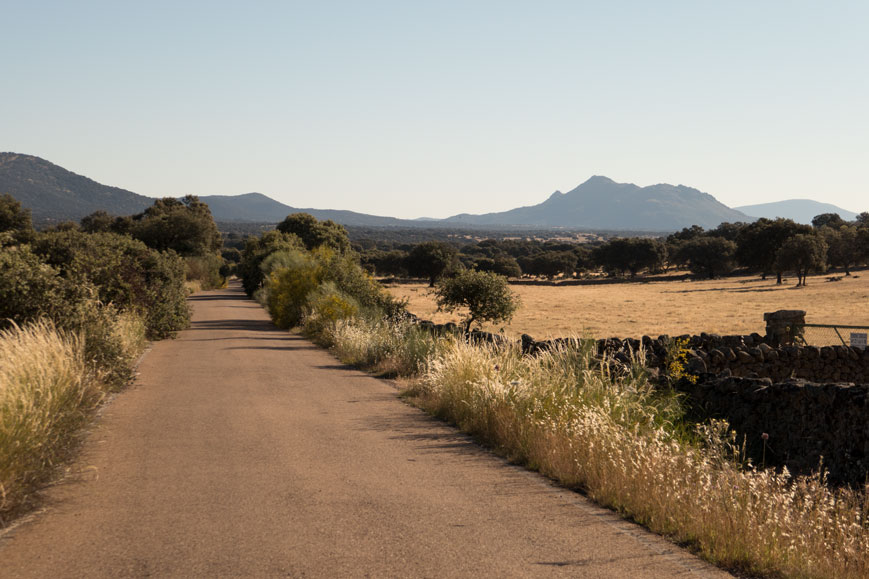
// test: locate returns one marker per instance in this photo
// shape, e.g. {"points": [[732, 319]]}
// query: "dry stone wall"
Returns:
{"points": [[806, 423], [811, 402]]}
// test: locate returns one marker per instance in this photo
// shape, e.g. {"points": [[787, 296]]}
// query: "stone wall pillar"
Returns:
{"points": [[784, 326]]}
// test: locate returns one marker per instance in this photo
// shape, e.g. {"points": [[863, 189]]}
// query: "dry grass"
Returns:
{"points": [[193, 286], [46, 392], [619, 440], [724, 306], [48, 389]]}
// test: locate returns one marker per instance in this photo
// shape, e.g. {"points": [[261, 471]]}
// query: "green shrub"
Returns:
{"points": [[256, 250], [326, 306], [289, 286], [29, 288], [125, 273]]}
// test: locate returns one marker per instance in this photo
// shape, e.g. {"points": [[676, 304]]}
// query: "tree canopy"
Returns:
{"points": [[708, 256], [802, 253], [14, 218], [431, 260], [486, 295], [185, 226], [315, 233]]}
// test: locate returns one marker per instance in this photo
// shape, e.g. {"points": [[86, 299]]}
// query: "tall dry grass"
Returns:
{"points": [[625, 445], [48, 389], [388, 347]]}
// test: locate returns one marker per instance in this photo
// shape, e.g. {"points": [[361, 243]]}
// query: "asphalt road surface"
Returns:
{"points": [[245, 451]]}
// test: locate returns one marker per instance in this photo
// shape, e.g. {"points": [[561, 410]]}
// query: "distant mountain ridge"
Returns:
{"points": [[53, 193], [601, 203], [800, 210]]}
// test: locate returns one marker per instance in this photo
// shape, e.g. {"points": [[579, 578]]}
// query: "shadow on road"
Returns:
{"points": [[239, 325], [209, 297]]}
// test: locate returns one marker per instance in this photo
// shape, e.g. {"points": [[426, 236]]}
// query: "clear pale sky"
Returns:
{"points": [[435, 108]]}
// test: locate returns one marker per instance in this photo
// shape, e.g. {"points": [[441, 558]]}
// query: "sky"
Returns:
{"points": [[414, 109]]}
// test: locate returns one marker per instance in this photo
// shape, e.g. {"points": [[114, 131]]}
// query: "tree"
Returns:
{"points": [[632, 254], [315, 233], [385, 262], [98, 221], [185, 226], [827, 220], [15, 219], [549, 263], [502, 265], [486, 295], [727, 230], [863, 243], [842, 248], [687, 233], [758, 243], [802, 253], [431, 259], [708, 256]]}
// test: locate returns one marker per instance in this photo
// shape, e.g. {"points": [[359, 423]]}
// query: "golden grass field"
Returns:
{"points": [[724, 306]]}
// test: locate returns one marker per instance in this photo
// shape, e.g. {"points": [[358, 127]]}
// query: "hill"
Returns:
{"points": [[601, 203], [800, 210], [256, 207], [53, 193]]}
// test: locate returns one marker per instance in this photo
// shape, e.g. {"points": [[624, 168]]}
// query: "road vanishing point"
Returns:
{"points": [[242, 450]]}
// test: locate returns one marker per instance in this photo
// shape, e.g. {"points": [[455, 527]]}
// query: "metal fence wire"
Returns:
{"points": [[834, 335]]}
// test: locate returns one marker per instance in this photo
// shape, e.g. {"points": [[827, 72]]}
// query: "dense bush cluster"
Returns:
{"points": [[305, 273], [184, 226], [87, 281]]}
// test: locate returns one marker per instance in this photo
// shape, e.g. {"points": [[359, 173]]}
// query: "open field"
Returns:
{"points": [[724, 306]]}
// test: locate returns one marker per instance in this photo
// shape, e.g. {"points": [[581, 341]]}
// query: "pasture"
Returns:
{"points": [[733, 305]]}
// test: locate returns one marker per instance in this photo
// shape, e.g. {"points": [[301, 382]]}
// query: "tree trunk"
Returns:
{"points": [[778, 278]]}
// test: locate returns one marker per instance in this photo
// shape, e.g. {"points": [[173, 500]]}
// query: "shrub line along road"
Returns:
{"points": [[242, 450]]}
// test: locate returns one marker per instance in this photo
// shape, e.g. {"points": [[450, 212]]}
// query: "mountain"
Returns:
{"points": [[53, 193], [601, 203], [800, 210], [256, 207]]}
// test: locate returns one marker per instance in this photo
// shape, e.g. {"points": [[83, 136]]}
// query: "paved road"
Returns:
{"points": [[243, 451]]}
